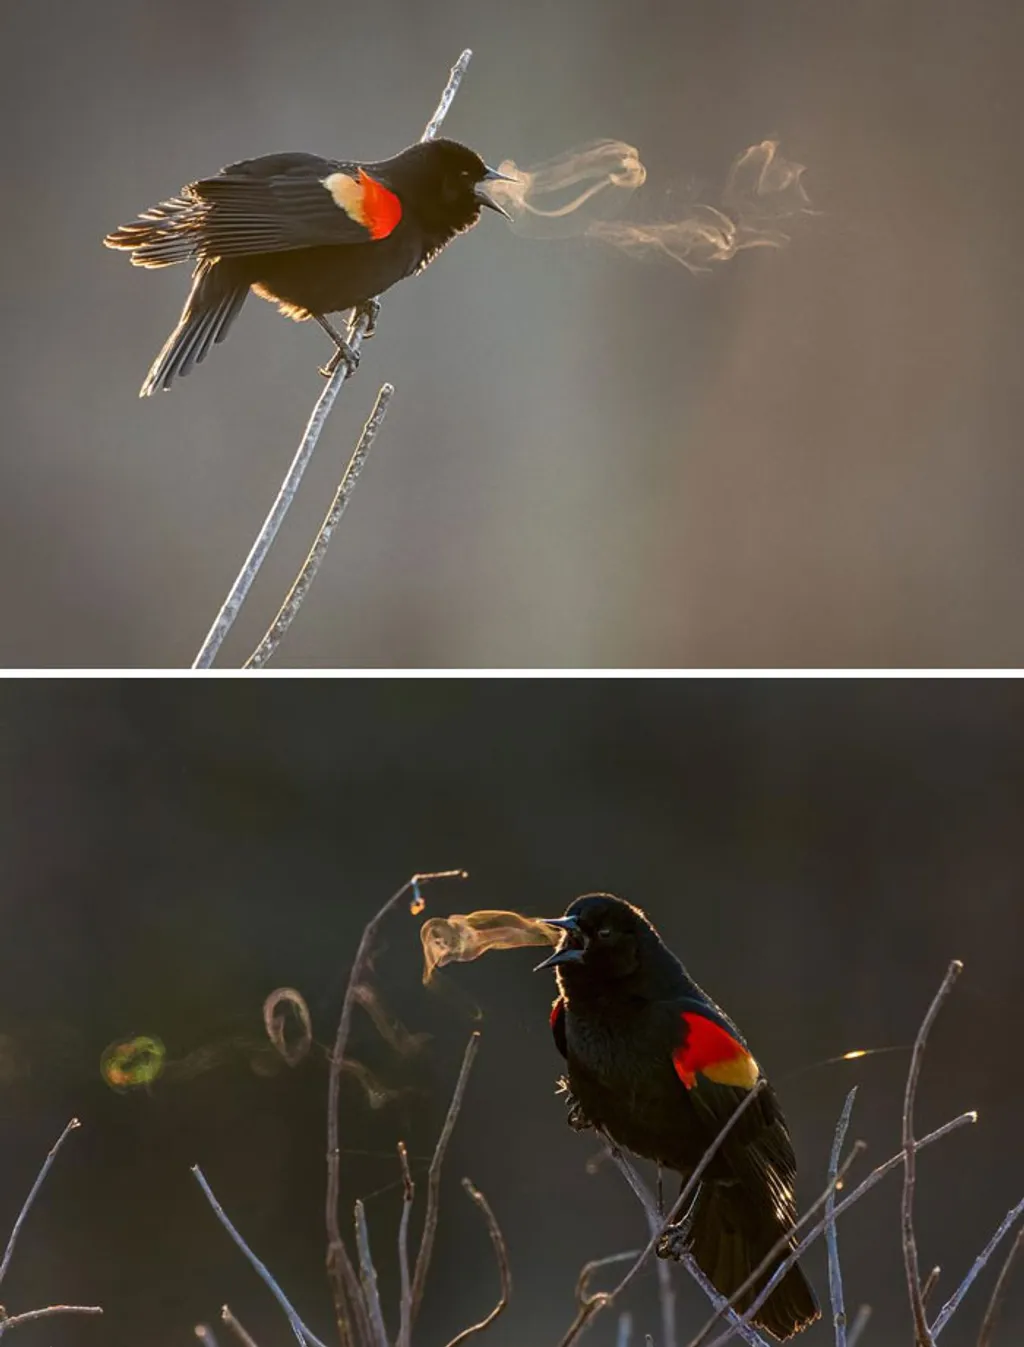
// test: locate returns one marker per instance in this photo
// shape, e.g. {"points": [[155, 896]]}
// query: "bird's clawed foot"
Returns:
{"points": [[675, 1242], [370, 308], [575, 1117], [344, 353]]}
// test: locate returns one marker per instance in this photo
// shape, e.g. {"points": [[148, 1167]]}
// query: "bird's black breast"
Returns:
{"points": [[621, 1071]]}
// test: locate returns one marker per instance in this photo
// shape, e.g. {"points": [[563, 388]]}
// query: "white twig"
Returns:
{"points": [[858, 1326], [922, 1336], [450, 90], [953, 1303], [405, 1281], [988, 1323], [625, 1333], [357, 331], [15, 1320], [835, 1276], [267, 648], [26, 1205], [368, 1276], [302, 1333], [240, 1332]]}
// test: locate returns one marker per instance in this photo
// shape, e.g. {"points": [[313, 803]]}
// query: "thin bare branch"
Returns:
{"points": [[835, 1276], [302, 1334], [800, 1249], [988, 1323], [930, 1283], [241, 1333], [605, 1299], [426, 1249], [625, 1333], [368, 1276], [595, 1265], [348, 1300], [922, 1335], [953, 1303], [405, 1304], [858, 1326], [450, 90], [32, 1192], [504, 1273], [206, 1335], [239, 591], [267, 647], [16, 1320], [666, 1302]]}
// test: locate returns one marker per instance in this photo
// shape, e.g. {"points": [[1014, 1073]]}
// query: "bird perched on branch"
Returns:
{"points": [[656, 1064], [316, 236]]}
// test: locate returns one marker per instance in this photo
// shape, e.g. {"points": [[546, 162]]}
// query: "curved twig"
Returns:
{"points": [[922, 1334], [835, 1276], [426, 1249], [501, 1254], [32, 1192]]}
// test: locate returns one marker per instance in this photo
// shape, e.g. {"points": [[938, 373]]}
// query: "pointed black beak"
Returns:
{"points": [[492, 175], [568, 953]]}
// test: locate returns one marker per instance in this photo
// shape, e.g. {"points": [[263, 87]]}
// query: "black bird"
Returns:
{"points": [[315, 235], [660, 1067]]}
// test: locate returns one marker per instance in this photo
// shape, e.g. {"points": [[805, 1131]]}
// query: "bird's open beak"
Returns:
{"points": [[569, 953], [492, 175]]}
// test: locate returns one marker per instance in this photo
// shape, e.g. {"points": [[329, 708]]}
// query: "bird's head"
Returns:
{"points": [[443, 183], [606, 940]]}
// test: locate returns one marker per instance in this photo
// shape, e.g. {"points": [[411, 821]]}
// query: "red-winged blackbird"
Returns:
{"points": [[656, 1064], [315, 235]]}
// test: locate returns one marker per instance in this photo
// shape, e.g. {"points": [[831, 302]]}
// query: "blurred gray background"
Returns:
{"points": [[810, 457], [816, 853]]}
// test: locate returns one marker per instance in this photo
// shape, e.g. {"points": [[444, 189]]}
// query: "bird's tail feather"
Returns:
{"points": [[728, 1239], [212, 306], [163, 235]]}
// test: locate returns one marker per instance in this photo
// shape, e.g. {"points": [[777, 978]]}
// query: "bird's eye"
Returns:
{"points": [[604, 932]]}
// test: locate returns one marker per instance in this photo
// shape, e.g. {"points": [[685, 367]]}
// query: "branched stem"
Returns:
{"points": [[922, 1335], [296, 596], [303, 1335], [835, 1276]]}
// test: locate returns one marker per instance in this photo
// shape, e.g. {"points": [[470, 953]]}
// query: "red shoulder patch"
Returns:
{"points": [[558, 1026], [709, 1050], [382, 210]]}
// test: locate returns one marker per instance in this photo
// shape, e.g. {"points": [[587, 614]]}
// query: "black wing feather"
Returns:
{"points": [[273, 204]]}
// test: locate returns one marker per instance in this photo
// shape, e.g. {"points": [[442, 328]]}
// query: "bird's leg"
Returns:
{"points": [[371, 308], [675, 1242], [343, 353]]}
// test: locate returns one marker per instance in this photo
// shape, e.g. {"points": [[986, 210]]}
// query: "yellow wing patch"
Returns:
{"points": [[742, 1070]]}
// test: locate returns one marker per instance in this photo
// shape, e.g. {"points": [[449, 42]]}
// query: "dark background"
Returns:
{"points": [[809, 457], [815, 852]]}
